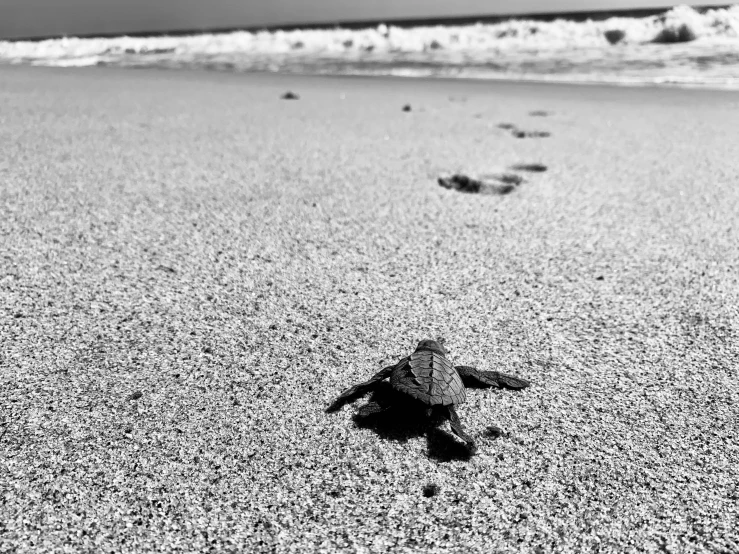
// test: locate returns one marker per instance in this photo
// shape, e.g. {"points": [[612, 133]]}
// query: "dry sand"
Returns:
{"points": [[240, 259]]}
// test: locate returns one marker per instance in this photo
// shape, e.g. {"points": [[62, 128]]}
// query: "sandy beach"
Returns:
{"points": [[192, 269]]}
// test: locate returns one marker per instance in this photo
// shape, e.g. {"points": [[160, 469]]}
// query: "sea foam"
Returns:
{"points": [[681, 46]]}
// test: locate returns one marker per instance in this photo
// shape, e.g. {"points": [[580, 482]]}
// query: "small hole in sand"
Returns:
{"points": [[430, 490]]}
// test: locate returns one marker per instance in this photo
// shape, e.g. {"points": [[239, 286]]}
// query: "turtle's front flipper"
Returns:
{"points": [[457, 426], [359, 389], [472, 376]]}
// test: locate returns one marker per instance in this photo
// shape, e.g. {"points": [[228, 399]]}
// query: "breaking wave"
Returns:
{"points": [[682, 46]]}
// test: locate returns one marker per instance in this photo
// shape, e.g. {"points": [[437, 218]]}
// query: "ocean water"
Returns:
{"points": [[681, 46]]}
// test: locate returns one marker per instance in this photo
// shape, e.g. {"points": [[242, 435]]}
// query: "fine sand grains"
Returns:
{"points": [[193, 268]]}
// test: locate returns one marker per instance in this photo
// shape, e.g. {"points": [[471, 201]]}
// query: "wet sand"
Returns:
{"points": [[239, 259]]}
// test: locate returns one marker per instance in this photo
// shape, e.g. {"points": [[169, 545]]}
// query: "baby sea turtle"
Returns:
{"points": [[428, 376]]}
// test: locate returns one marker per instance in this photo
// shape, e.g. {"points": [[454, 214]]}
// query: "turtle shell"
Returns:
{"points": [[429, 377]]}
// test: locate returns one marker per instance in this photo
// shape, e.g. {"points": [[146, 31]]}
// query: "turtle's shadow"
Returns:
{"points": [[471, 384], [443, 447], [406, 418]]}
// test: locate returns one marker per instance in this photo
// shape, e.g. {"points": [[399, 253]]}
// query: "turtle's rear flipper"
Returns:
{"points": [[457, 426], [370, 409], [361, 388], [472, 376]]}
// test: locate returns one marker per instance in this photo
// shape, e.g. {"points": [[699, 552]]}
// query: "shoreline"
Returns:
{"points": [[698, 87], [543, 81]]}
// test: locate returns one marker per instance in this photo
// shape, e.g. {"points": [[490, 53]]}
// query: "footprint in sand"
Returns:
{"points": [[493, 183], [534, 168], [520, 133], [490, 183]]}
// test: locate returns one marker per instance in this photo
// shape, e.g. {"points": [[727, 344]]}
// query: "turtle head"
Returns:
{"points": [[432, 345]]}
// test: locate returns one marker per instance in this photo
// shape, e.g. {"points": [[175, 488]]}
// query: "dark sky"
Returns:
{"points": [[27, 18]]}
